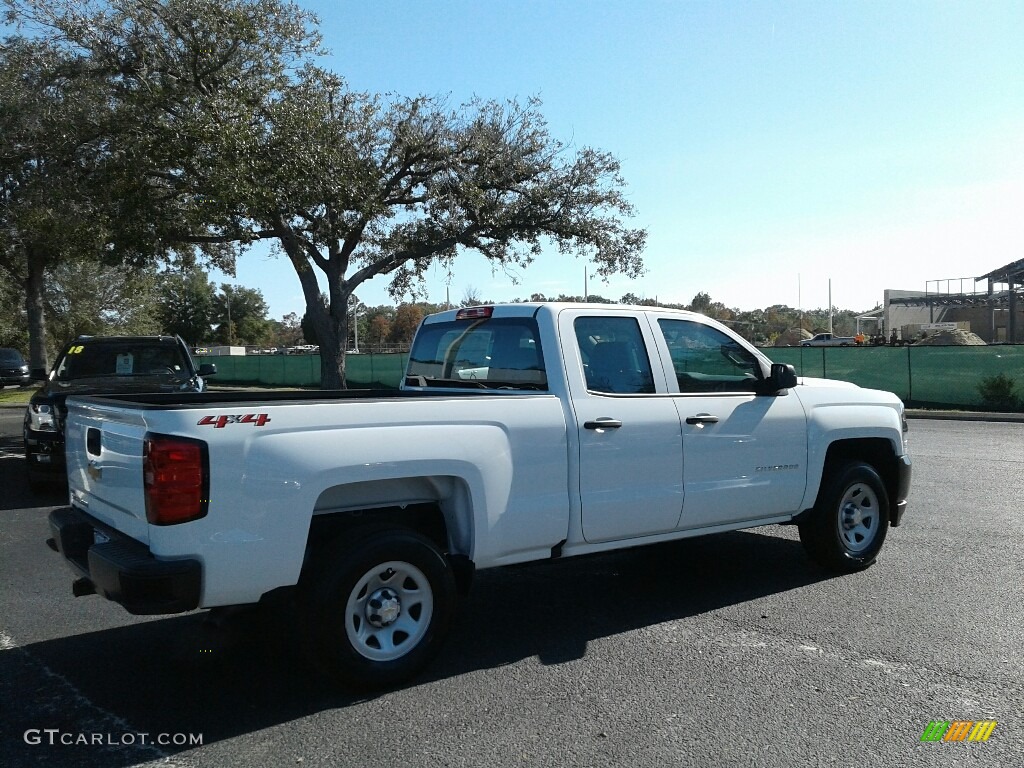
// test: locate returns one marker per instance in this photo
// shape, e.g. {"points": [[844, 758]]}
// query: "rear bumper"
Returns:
{"points": [[899, 505], [44, 452], [122, 569]]}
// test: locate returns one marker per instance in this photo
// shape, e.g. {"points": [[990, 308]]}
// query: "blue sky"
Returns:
{"points": [[767, 146]]}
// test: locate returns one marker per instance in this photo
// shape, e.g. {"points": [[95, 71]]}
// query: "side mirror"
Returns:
{"points": [[37, 374], [210, 369], [782, 377]]}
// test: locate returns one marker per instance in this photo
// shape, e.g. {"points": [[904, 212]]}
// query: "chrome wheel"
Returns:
{"points": [[389, 610], [859, 517]]}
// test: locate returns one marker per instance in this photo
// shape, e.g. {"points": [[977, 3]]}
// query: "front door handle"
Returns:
{"points": [[702, 418], [604, 422]]}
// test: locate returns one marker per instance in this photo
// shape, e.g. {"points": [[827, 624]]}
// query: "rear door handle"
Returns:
{"points": [[702, 418], [604, 422]]}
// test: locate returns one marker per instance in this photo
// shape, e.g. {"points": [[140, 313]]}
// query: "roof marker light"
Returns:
{"points": [[474, 313]]}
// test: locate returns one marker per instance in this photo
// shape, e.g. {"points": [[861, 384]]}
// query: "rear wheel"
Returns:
{"points": [[847, 527], [379, 608]]}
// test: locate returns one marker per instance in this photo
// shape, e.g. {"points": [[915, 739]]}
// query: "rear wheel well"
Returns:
{"points": [[427, 519]]}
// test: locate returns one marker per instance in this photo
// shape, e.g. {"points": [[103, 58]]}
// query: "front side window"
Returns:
{"points": [[707, 360], [614, 356], [489, 353]]}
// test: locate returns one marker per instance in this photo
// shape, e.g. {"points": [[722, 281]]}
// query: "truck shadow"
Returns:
{"points": [[14, 489], [174, 675]]}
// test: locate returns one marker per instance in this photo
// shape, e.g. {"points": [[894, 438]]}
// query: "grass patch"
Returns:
{"points": [[18, 395]]}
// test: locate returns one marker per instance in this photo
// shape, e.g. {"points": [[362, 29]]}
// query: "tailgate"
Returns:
{"points": [[104, 455]]}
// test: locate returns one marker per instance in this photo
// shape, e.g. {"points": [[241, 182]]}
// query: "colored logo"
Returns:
{"points": [[219, 422], [958, 730]]}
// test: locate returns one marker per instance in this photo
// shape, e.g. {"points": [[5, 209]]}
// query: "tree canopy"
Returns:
{"points": [[225, 131]]}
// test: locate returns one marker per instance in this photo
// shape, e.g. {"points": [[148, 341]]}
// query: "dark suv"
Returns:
{"points": [[101, 365], [13, 368]]}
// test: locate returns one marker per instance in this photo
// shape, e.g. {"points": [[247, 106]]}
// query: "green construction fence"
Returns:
{"points": [[923, 376], [362, 371]]}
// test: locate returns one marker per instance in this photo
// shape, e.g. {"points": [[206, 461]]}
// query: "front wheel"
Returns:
{"points": [[37, 481], [847, 527], [379, 608]]}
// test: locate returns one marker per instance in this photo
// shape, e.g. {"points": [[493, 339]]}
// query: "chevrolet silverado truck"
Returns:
{"points": [[520, 433]]}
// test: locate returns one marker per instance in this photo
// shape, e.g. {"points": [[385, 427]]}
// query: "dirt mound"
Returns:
{"points": [[791, 337], [954, 338]]}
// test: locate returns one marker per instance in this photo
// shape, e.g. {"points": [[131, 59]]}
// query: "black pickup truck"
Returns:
{"points": [[101, 365]]}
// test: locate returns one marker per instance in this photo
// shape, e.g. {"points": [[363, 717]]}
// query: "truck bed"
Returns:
{"points": [[176, 400]]}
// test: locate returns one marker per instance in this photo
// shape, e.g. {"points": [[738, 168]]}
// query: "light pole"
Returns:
{"points": [[231, 327]]}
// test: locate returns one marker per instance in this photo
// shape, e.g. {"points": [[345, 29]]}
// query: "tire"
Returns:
{"points": [[37, 486], [847, 527], [37, 482], [378, 608]]}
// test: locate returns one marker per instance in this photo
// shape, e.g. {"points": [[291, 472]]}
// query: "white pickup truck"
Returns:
{"points": [[829, 340], [522, 432]]}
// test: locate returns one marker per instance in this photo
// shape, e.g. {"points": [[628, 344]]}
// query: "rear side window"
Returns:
{"points": [[614, 356], [488, 353]]}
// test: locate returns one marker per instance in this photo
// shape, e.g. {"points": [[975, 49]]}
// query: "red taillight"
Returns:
{"points": [[174, 473], [474, 313]]}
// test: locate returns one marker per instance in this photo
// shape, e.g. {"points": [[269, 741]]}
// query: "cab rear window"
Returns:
{"points": [[487, 353]]}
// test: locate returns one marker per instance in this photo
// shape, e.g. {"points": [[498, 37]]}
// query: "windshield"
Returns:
{"points": [[101, 359], [11, 356]]}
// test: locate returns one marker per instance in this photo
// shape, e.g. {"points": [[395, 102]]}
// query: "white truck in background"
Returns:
{"points": [[522, 432], [829, 340]]}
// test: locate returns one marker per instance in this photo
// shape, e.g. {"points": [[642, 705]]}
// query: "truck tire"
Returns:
{"points": [[36, 480], [379, 606], [847, 527]]}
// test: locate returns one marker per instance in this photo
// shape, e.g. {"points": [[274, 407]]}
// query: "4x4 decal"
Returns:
{"points": [[219, 422]]}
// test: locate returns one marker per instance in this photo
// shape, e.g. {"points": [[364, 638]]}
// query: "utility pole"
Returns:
{"points": [[830, 305], [355, 327], [231, 327], [799, 300]]}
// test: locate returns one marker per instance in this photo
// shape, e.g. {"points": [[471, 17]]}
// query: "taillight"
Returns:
{"points": [[175, 473]]}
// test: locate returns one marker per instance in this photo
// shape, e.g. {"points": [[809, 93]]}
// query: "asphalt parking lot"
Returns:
{"points": [[724, 650]]}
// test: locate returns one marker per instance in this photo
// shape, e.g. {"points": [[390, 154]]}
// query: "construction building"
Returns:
{"points": [[995, 313]]}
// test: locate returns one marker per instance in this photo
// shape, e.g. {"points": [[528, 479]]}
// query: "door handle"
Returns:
{"points": [[701, 419], [604, 422]]}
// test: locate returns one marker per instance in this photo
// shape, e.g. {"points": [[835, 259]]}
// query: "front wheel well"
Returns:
{"points": [[876, 451]]}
